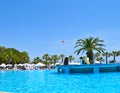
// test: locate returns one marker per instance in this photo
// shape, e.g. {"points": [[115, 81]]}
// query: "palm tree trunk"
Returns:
{"points": [[90, 56], [106, 59], [114, 58], [62, 60]]}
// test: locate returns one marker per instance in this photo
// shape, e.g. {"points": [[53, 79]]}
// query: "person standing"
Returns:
{"points": [[81, 60]]}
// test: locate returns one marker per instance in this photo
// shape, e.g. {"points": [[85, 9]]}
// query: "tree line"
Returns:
{"points": [[114, 54], [13, 56], [51, 59], [94, 49]]}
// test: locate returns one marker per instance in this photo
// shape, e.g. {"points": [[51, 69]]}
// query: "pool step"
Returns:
{"points": [[89, 68]]}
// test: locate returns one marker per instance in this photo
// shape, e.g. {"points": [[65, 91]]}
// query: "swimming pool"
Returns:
{"points": [[48, 81]]}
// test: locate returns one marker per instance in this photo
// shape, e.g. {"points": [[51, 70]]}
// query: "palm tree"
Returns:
{"points": [[54, 58], [106, 54], [100, 59], [115, 53], [97, 55], [89, 45], [119, 53], [46, 58], [62, 57], [37, 60], [70, 58]]}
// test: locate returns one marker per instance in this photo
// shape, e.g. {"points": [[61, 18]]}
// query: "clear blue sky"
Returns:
{"points": [[38, 26]]}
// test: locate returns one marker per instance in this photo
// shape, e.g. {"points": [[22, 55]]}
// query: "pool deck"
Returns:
{"points": [[91, 68]]}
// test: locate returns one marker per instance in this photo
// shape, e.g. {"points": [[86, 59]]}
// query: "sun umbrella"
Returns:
{"points": [[10, 65], [40, 64], [20, 65], [3, 65]]}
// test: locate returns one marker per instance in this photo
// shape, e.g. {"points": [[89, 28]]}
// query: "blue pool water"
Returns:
{"points": [[48, 81]]}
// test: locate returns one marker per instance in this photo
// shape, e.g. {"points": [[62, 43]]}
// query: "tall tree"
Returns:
{"points": [[46, 57], [25, 57], [118, 52], [106, 54], [97, 55], [7, 56], [1, 52], [37, 60], [2, 48], [62, 57], [115, 53], [88, 45], [55, 58], [13, 56], [70, 57]]}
